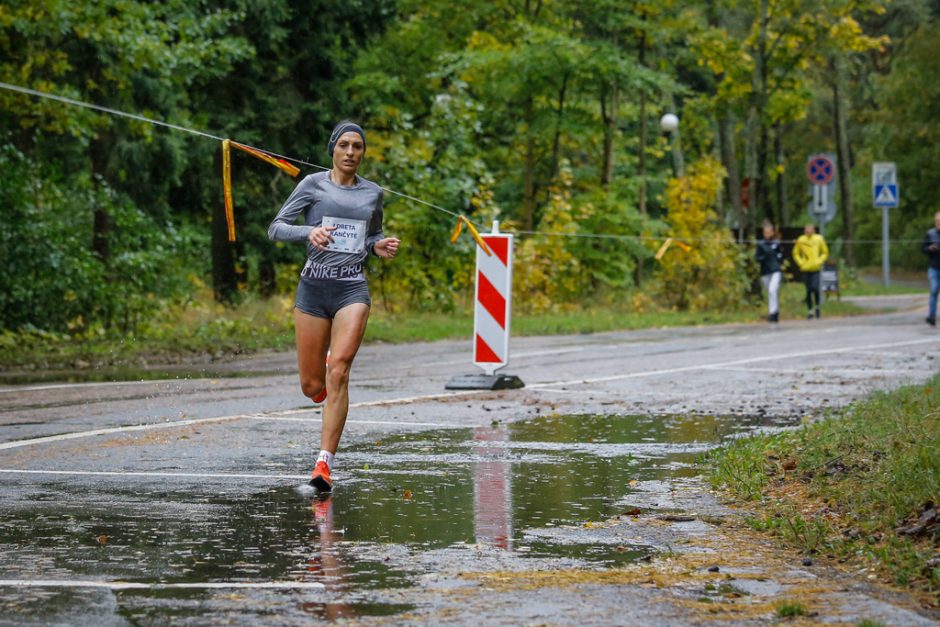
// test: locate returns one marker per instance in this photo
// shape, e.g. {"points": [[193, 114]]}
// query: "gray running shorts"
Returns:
{"points": [[323, 299]]}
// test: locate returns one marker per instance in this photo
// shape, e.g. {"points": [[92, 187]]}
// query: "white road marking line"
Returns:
{"points": [[393, 423], [770, 370], [195, 421], [131, 473], [432, 397], [521, 355], [136, 474], [725, 364], [132, 585], [126, 429]]}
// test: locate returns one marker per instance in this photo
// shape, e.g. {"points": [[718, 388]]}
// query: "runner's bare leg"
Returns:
{"points": [[313, 340], [349, 326]]}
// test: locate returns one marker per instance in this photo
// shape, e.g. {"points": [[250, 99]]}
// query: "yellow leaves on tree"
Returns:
{"points": [[710, 274]]}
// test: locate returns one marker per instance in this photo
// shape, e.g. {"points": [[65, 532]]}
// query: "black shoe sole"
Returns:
{"points": [[320, 484]]}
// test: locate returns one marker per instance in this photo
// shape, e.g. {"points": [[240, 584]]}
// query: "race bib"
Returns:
{"points": [[349, 236]]}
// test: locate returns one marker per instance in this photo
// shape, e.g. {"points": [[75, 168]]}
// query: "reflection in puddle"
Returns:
{"points": [[474, 492]]}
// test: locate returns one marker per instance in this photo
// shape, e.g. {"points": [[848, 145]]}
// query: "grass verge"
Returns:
{"points": [[852, 486], [206, 330]]}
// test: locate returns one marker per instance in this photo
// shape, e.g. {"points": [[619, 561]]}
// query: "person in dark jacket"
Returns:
{"points": [[931, 248], [770, 257]]}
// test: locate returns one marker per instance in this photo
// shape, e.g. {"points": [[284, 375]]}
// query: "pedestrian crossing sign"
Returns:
{"points": [[886, 195]]}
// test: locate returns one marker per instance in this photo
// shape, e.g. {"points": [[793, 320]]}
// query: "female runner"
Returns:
{"points": [[342, 224]]}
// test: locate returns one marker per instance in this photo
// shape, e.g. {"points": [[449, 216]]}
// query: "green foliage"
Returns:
{"points": [[866, 473], [538, 114], [49, 272], [905, 128]]}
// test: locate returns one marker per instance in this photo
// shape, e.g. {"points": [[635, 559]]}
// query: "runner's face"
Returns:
{"points": [[348, 151], [936, 220], [768, 232]]}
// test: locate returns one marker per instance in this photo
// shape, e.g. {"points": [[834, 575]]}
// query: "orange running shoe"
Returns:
{"points": [[321, 478]]}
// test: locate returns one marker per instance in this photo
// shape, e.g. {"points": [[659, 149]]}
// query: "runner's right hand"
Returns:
{"points": [[320, 236]]}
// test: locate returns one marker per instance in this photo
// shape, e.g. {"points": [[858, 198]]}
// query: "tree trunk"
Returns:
{"points": [[754, 118], [781, 186], [609, 115], [729, 159], [102, 222], [560, 113], [224, 279], [843, 158], [644, 141], [763, 189], [528, 184]]}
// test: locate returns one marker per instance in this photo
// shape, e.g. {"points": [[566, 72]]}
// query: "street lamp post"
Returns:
{"points": [[670, 124]]}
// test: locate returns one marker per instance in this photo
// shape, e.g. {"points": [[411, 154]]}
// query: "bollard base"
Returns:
{"points": [[484, 382]]}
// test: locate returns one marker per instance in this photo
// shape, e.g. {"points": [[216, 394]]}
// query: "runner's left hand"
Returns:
{"points": [[387, 248]]}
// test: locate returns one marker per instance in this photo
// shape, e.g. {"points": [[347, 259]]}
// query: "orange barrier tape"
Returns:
{"points": [[227, 177], [662, 249], [457, 230], [227, 189], [292, 170], [473, 233], [669, 242]]}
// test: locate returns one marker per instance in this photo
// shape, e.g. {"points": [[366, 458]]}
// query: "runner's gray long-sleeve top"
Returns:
{"points": [[355, 210]]}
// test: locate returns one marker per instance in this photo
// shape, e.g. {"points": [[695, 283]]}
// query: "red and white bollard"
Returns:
{"points": [[492, 313]]}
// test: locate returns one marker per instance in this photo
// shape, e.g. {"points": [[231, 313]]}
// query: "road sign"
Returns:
{"points": [[885, 194], [884, 184], [820, 169], [822, 208]]}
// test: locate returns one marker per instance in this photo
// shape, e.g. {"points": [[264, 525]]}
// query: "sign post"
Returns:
{"points": [[885, 194], [821, 172]]}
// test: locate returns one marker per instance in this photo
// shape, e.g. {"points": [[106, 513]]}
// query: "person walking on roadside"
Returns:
{"points": [[810, 253], [931, 248], [342, 226], [769, 255]]}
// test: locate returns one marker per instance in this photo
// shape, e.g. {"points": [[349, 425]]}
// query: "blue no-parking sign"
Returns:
{"points": [[820, 169], [821, 172]]}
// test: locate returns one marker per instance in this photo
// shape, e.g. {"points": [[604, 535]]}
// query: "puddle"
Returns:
{"points": [[462, 495]]}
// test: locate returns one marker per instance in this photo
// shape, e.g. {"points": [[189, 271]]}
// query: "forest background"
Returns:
{"points": [[541, 114]]}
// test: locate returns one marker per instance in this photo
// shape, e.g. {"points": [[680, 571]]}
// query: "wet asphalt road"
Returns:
{"points": [[141, 502]]}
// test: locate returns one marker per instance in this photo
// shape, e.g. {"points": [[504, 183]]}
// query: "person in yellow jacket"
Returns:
{"points": [[810, 253]]}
